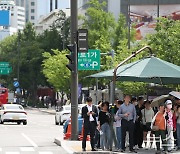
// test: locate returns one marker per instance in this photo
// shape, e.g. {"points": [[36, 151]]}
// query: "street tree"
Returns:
{"points": [[165, 42], [54, 69]]}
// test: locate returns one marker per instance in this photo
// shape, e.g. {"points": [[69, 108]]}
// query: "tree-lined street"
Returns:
{"points": [[36, 137]]}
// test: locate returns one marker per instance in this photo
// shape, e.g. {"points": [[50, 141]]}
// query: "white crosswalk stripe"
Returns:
{"points": [[45, 153], [12, 152], [27, 149]]}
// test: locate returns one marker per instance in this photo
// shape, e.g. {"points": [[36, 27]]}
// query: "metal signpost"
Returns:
{"points": [[89, 60]]}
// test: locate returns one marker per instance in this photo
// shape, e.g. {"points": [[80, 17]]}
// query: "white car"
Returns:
{"points": [[63, 114], [13, 113]]}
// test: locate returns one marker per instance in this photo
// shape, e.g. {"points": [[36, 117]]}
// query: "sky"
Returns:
{"points": [[65, 4]]}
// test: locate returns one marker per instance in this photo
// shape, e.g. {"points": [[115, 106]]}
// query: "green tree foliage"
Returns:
{"points": [[24, 50], [54, 69], [166, 41], [100, 25], [58, 35], [31, 47]]}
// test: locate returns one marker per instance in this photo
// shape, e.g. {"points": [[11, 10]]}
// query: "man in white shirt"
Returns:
{"points": [[89, 114]]}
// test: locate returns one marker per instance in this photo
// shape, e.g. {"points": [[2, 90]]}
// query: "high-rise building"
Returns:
{"points": [[21, 3], [38, 8], [12, 18]]}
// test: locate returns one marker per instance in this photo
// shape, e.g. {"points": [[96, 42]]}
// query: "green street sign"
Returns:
{"points": [[5, 71], [4, 64], [89, 60]]}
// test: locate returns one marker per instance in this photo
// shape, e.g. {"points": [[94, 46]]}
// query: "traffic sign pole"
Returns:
{"points": [[74, 74]]}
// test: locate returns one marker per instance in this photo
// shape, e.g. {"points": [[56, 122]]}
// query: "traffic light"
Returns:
{"points": [[72, 66]]}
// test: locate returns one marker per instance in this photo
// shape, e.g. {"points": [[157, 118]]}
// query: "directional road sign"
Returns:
{"points": [[89, 60], [4, 64], [5, 71]]}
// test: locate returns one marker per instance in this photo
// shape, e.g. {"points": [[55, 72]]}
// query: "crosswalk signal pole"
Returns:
{"points": [[74, 73]]}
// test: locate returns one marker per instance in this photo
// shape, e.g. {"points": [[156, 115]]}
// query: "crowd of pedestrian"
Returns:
{"points": [[128, 123]]}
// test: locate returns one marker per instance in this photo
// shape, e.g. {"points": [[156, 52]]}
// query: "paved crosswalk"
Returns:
{"points": [[25, 150]]}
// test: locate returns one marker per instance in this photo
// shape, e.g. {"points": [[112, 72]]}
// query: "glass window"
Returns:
{"points": [[15, 107], [67, 108], [32, 4], [32, 17], [32, 10]]}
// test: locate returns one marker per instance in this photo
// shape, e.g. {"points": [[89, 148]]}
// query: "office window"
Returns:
{"points": [[56, 4], [32, 17], [32, 3], [22, 2], [51, 5], [32, 10]]}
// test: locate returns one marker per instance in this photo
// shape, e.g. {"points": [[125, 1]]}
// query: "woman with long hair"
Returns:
{"points": [[104, 127]]}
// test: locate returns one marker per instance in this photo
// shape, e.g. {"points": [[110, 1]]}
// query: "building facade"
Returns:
{"points": [[12, 18], [35, 9]]}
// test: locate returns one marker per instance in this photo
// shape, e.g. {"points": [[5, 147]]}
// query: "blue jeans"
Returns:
{"points": [[178, 134], [105, 137], [118, 135]]}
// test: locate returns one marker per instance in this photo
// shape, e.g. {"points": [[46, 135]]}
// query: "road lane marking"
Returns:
{"points": [[30, 141], [45, 153], [12, 153], [26, 149], [0, 149]]}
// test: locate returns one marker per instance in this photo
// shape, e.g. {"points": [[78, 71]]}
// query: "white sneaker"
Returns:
{"points": [[136, 147]]}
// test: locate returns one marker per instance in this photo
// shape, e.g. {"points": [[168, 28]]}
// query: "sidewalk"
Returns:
{"points": [[50, 110], [75, 147], [45, 110]]}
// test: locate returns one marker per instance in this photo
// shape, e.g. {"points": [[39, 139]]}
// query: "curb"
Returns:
{"points": [[47, 112], [70, 151], [63, 145]]}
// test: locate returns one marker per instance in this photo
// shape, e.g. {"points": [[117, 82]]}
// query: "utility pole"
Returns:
{"points": [[158, 10], [18, 50], [129, 26], [74, 71]]}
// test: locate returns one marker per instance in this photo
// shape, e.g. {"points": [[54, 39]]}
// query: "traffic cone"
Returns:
{"points": [[82, 134], [67, 135]]}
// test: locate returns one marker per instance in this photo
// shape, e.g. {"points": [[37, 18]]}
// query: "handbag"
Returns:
{"points": [[155, 128], [148, 124]]}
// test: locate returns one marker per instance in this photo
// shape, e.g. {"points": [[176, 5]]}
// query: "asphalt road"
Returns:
{"points": [[36, 137]]}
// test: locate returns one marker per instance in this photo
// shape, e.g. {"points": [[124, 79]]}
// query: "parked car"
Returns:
{"points": [[13, 113], [64, 113]]}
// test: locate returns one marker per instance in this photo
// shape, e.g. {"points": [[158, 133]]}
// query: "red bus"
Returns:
{"points": [[3, 96]]}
